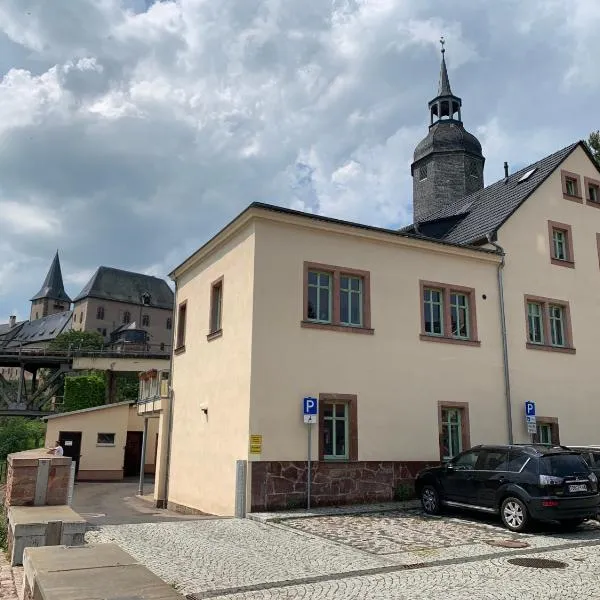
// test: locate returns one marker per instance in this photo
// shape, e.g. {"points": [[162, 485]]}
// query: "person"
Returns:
{"points": [[57, 450]]}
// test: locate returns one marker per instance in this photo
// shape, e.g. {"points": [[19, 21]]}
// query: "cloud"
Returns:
{"points": [[133, 130]]}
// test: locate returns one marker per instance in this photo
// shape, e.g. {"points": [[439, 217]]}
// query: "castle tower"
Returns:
{"points": [[51, 298]]}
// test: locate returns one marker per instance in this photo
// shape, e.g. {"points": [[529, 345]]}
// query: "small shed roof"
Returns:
{"points": [[86, 410]]}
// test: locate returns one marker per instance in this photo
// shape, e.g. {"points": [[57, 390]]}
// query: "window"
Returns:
{"points": [[548, 324], [493, 460], [561, 244], [100, 313], [338, 433], [544, 433], [169, 323], [336, 298], [215, 326], [126, 317], [181, 317], [453, 421], [106, 439], [517, 461], [571, 186], [466, 461], [81, 316], [145, 320], [423, 173], [448, 313], [547, 431], [592, 188]]}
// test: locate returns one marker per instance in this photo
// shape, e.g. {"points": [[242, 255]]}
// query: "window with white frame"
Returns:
{"points": [[351, 300], [459, 315], [535, 323], [320, 297], [335, 430], [557, 325], [452, 432], [434, 311]]}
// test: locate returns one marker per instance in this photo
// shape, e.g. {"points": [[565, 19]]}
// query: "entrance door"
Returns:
{"points": [[133, 453], [71, 443]]}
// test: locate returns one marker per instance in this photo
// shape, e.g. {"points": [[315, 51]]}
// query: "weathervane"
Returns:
{"points": [[442, 42]]}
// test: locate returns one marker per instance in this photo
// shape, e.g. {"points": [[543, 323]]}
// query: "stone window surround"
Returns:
{"points": [[100, 313], [589, 182], [465, 424], [564, 175], [336, 273], [213, 331], [566, 229], [446, 290], [351, 400], [545, 302], [553, 422], [181, 327]]}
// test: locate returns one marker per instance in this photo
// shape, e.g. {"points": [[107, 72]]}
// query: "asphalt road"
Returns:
{"points": [[118, 504]]}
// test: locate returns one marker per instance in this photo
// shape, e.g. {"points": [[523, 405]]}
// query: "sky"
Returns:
{"points": [[131, 131]]}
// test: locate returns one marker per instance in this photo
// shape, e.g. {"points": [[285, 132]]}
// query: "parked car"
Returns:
{"points": [[591, 455], [521, 483]]}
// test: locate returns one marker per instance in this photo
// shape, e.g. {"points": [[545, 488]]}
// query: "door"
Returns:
{"points": [[458, 478], [491, 472], [71, 443], [133, 453]]}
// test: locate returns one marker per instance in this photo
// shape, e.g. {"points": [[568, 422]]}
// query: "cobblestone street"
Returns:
{"points": [[390, 554]]}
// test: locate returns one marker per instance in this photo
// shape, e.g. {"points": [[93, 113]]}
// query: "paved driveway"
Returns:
{"points": [[387, 554], [117, 504]]}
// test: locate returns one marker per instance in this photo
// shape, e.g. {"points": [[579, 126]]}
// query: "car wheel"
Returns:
{"points": [[514, 514], [430, 500], [570, 524]]}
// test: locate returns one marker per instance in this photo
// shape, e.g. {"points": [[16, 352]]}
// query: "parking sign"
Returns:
{"points": [[310, 410]]}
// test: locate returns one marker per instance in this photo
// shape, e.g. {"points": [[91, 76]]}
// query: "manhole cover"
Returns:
{"points": [[508, 544], [538, 563]]}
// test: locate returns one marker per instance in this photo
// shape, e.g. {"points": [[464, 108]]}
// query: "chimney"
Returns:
{"points": [[505, 170], [12, 321]]}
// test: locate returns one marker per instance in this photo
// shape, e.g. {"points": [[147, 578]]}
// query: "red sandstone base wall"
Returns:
{"points": [[277, 485]]}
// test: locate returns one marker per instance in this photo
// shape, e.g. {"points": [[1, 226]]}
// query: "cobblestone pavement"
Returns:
{"points": [[7, 584], [390, 554]]}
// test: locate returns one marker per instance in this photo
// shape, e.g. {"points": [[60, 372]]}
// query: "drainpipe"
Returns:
{"points": [[171, 398], [504, 338]]}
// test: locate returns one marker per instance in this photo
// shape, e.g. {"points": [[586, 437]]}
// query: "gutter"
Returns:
{"points": [[507, 397]]}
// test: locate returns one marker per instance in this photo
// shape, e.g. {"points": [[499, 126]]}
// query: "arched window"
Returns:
{"points": [[169, 323], [126, 317], [100, 313], [146, 321]]}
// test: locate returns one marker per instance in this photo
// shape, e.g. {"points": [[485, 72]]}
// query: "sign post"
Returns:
{"points": [[530, 418], [309, 406]]}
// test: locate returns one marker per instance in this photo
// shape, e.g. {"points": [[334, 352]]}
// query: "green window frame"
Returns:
{"points": [[557, 325], [544, 433], [320, 297], [452, 432], [459, 315], [433, 307], [559, 240], [535, 323], [336, 431], [351, 300]]}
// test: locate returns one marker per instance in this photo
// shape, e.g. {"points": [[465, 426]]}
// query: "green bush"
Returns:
{"points": [[18, 433], [77, 340], [84, 391]]}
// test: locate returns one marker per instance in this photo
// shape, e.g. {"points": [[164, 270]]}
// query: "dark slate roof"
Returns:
{"points": [[444, 85], [5, 328], [42, 330], [468, 220], [447, 136], [53, 286], [124, 286]]}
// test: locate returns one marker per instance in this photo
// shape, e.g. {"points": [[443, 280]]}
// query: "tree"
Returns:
{"points": [[77, 340], [594, 144], [17, 433]]}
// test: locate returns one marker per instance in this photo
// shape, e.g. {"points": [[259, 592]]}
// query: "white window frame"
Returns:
{"points": [[530, 318], [463, 310], [334, 418], [352, 295], [449, 425], [319, 287], [559, 240], [428, 306], [557, 324]]}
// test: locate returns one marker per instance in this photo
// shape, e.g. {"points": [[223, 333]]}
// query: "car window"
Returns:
{"points": [[493, 460], [516, 462], [596, 456], [563, 465], [466, 461]]}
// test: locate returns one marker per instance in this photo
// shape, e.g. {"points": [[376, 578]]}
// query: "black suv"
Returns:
{"points": [[520, 482]]}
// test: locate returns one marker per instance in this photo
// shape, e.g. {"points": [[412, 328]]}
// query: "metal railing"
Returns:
{"points": [[108, 352]]}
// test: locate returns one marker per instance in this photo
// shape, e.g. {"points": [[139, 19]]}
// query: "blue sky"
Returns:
{"points": [[131, 131]]}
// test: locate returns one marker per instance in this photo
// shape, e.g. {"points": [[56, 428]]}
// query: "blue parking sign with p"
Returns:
{"points": [[310, 406], [530, 408]]}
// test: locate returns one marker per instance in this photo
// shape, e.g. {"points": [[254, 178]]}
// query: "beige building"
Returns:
{"points": [[105, 441], [416, 343]]}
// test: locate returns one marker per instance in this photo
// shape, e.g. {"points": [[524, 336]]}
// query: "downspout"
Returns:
{"points": [[171, 396], [504, 337]]}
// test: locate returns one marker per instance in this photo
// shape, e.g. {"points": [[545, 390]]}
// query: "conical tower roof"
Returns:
{"points": [[444, 85], [53, 286]]}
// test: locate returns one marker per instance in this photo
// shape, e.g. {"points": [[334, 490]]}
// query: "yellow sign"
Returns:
{"points": [[255, 444]]}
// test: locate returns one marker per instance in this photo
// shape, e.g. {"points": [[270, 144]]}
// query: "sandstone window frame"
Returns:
{"points": [[446, 291], [334, 321], [552, 423], [547, 325], [181, 327], [465, 427], [350, 400], [592, 191], [566, 231], [215, 317], [571, 186]]}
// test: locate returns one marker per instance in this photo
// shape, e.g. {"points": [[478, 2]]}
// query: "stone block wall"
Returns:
{"points": [[277, 485], [22, 476]]}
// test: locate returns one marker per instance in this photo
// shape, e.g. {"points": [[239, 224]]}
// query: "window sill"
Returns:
{"points": [[214, 335], [337, 461], [179, 350], [448, 340], [577, 199], [562, 263], [560, 349], [105, 445], [593, 203], [332, 327]]}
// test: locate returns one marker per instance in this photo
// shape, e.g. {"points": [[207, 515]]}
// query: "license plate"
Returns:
{"points": [[578, 488]]}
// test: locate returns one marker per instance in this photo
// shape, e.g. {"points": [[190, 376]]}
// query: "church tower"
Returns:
{"points": [[51, 298], [448, 162]]}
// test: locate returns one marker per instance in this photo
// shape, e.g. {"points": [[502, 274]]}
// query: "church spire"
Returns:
{"points": [[52, 289], [444, 85], [445, 104]]}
